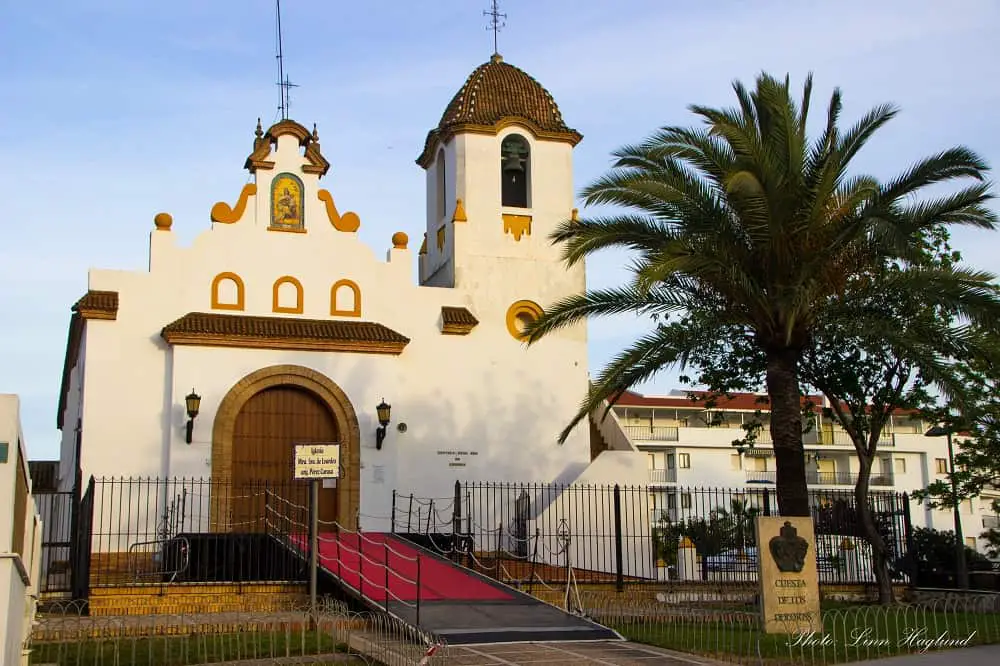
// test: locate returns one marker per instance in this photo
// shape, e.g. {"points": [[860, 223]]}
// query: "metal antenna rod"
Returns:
{"points": [[283, 83], [496, 24]]}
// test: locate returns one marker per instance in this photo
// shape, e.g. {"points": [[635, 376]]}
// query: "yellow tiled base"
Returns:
{"points": [[185, 599]]}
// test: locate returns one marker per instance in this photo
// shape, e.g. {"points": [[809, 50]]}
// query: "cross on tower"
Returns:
{"points": [[496, 23]]}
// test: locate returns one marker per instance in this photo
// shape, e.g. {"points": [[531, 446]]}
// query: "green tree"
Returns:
{"points": [[933, 556], [973, 415], [748, 223], [876, 349]]}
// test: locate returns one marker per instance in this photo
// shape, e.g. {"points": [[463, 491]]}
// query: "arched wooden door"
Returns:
{"points": [[267, 429]]}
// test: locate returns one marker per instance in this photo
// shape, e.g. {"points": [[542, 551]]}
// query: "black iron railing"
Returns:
{"points": [[56, 512], [548, 534], [187, 530]]}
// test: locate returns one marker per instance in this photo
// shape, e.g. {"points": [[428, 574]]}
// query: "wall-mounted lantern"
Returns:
{"points": [[383, 410], [193, 403]]}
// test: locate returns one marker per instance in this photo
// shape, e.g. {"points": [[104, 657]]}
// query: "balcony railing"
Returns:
{"points": [[652, 433], [823, 478], [991, 522], [663, 476], [841, 438]]}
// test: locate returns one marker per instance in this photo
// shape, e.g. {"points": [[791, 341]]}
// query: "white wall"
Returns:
{"points": [[484, 393], [18, 596]]}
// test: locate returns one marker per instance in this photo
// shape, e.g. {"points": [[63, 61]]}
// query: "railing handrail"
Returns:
{"points": [[655, 433], [824, 478]]}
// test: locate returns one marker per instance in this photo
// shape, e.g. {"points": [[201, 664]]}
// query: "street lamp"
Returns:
{"points": [[961, 570]]}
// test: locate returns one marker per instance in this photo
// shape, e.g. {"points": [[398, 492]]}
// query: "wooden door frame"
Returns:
{"points": [[348, 486]]}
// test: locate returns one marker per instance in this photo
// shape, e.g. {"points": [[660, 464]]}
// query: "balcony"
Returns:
{"points": [[822, 478], [841, 438], [652, 433], [663, 476]]}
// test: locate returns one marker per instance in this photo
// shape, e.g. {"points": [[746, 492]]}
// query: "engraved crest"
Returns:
{"points": [[789, 549]]}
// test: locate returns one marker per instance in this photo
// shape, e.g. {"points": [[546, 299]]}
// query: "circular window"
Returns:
{"points": [[520, 315]]}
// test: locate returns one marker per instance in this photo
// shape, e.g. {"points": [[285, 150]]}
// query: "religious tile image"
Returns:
{"points": [[286, 202]]}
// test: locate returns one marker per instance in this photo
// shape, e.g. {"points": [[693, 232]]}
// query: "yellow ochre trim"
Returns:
{"points": [[400, 240], [348, 222], [523, 307], [163, 221], [441, 238], [299, 297], [219, 305], [353, 286], [517, 225], [423, 246], [221, 212], [459, 215]]}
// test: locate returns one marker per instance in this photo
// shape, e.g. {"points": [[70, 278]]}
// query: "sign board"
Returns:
{"points": [[789, 581], [317, 461]]}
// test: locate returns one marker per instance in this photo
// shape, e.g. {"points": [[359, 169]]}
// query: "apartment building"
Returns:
{"points": [[690, 444]]}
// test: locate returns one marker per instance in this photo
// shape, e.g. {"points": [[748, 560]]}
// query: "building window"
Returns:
{"points": [[515, 170], [685, 500], [652, 461], [942, 465], [441, 184], [670, 461], [900, 465], [736, 461], [684, 460], [652, 501]]}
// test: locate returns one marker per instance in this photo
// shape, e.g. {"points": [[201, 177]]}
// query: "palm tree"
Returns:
{"points": [[747, 222]]}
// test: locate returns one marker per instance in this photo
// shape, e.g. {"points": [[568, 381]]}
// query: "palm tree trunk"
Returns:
{"points": [[786, 431], [880, 551]]}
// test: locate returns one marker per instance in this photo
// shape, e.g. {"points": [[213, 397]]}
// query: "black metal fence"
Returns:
{"points": [[56, 512], [186, 530], [551, 533]]}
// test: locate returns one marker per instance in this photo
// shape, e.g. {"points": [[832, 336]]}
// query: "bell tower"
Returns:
{"points": [[499, 169]]}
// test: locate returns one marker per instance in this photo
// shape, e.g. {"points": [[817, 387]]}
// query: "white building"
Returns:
{"points": [[20, 538], [290, 330], [674, 443]]}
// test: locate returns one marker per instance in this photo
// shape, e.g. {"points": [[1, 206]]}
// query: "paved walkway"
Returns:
{"points": [[605, 653], [982, 655]]}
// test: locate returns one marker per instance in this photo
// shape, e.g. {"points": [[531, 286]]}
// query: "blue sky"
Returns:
{"points": [[114, 110]]}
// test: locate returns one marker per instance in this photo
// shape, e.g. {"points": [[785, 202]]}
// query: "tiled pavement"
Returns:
{"points": [[605, 653]]}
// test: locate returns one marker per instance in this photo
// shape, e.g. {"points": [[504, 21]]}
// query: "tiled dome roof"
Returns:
{"points": [[494, 92]]}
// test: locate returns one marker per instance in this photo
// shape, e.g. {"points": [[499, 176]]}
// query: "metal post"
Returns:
{"points": [[456, 520], [385, 546], [313, 542], [619, 574], [767, 503], [392, 519], [409, 516], [911, 555], [418, 589], [496, 564], [960, 567]]}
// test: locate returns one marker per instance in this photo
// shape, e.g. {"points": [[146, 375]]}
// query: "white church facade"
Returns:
{"points": [[278, 326]]}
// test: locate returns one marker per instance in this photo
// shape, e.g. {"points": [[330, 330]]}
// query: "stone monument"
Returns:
{"points": [[789, 582]]}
